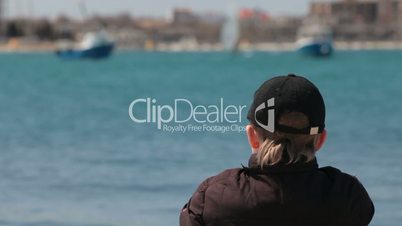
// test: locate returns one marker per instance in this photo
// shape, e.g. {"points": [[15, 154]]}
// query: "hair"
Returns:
{"points": [[298, 147]]}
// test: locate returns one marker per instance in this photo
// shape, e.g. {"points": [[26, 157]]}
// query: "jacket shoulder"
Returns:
{"points": [[343, 181], [361, 204], [225, 175], [336, 174]]}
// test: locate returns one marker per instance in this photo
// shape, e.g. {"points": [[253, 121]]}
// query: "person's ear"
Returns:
{"points": [[253, 138], [322, 137]]}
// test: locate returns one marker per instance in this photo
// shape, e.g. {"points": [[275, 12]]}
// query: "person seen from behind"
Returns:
{"points": [[283, 184]]}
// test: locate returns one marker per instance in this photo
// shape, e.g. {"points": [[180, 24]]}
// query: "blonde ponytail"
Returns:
{"points": [[296, 146]]}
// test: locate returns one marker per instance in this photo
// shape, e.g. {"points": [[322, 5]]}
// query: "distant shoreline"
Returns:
{"points": [[176, 47]]}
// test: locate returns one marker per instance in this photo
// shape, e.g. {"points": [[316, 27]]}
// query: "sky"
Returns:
{"points": [[160, 8]]}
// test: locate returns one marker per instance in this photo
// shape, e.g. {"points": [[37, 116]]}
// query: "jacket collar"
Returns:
{"points": [[281, 166]]}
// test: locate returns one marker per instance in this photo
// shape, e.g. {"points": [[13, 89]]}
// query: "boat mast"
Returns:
{"points": [[83, 9]]}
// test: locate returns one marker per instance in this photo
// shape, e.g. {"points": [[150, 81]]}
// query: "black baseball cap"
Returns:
{"points": [[285, 94]]}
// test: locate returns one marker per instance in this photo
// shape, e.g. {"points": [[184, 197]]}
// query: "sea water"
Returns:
{"points": [[70, 155]]}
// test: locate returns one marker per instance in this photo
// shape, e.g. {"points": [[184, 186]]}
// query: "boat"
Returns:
{"points": [[94, 45], [315, 40], [230, 32]]}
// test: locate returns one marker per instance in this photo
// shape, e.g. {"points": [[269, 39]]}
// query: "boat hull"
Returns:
{"points": [[97, 52], [317, 49]]}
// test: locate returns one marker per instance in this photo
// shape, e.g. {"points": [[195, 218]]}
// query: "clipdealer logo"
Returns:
{"points": [[269, 106], [181, 115]]}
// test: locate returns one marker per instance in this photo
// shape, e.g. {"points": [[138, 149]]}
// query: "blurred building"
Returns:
{"points": [[253, 15], [354, 11], [187, 25], [1, 9], [361, 19], [257, 26], [184, 16], [1, 17]]}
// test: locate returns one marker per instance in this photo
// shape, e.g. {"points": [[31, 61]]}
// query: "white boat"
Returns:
{"points": [[94, 45], [315, 40]]}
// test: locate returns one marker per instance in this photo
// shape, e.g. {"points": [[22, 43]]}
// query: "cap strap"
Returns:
{"points": [[308, 130]]}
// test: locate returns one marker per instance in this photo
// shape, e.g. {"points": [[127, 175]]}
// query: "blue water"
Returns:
{"points": [[70, 154]]}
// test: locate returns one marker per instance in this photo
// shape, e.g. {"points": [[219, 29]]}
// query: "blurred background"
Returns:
{"points": [[192, 25], [71, 155]]}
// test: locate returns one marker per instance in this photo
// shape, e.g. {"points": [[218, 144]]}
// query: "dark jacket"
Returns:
{"points": [[284, 194]]}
